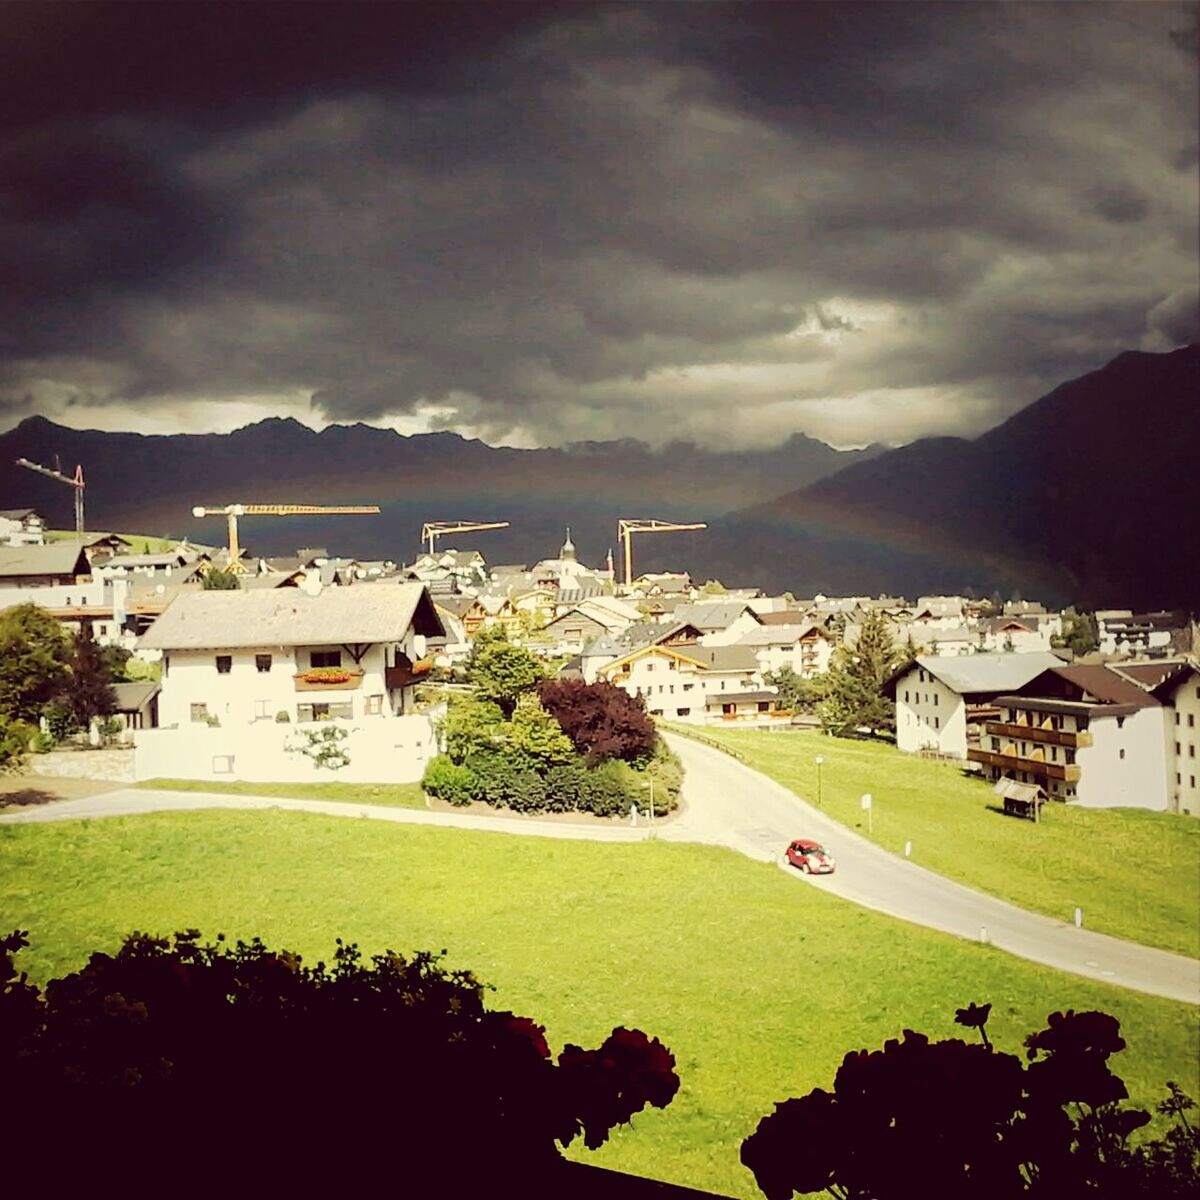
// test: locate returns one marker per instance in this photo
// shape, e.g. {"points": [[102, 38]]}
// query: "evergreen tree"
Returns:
{"points": [[536, 737], [500, 672], [854, 698], [216, 580], [89, 692]]}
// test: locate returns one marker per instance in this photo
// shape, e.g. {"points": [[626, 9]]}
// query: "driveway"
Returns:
{"points": [[730, 804]]}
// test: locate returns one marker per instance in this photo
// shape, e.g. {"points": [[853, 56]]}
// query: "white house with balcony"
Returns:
{"points": [[680, 681], [243, 672], [938, 696], [21, 527]]}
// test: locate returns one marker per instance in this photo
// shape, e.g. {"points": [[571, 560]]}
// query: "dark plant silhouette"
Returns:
{"points": [[183, 1045], [953, 1119]]}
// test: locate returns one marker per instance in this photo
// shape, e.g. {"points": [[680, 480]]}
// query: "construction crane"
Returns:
{"points": [[432, 530], [627, 528], [233, 511], [75, 481]]}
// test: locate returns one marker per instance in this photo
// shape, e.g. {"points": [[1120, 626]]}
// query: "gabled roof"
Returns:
{"points": [[133, 697], [55, 558], [781, 635], [1150, 675], [16, 514], [718, 614], [1168, 689], [1099, 684], [786, 616], [370, 613], [980, 674]]}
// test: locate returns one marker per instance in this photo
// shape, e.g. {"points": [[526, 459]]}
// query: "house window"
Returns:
{"points": [[905, 697], [649, 666], [373, 706], [262, 663], [224, 664], [222, 764], [935, 699], [1191, 781], [325, 658], [1191, 720], [763, 706], [683, 712], [1178, 749], [1191, 752], [199, 713], [937, 722], [1177, 716], [260, 710], [1121, 752]]}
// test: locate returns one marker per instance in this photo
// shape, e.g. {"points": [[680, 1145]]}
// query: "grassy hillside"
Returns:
{"points": [[758, 983], [1136, 874]]}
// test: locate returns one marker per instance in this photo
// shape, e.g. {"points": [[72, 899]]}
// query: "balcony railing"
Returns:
{"points": [[1076, 739], [336, 680], [1066, 772]]}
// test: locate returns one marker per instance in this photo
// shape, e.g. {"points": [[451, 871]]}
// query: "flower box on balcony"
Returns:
{"points": [[328, 679]]}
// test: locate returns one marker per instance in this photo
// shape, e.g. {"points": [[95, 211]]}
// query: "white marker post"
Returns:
{"points": [[1079, 918], [866, 804], [908, 849]]}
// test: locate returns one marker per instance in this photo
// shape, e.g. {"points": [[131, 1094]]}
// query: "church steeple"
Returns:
{"points": [[567, 553]]}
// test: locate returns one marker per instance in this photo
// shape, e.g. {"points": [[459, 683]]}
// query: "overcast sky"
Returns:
{"points": [[541, 223]]}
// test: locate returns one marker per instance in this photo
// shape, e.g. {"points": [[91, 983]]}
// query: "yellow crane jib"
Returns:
{"points": [[232, 511], [432, 530], [626, 528]]}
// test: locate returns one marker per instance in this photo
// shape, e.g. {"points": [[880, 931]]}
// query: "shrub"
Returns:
{"points": [[470, 725], [601, 720], [609, 790], [450, 781], [283, 717], [535, 738], [527, 791], [566, 784], [193, 1044], [495, 772]]}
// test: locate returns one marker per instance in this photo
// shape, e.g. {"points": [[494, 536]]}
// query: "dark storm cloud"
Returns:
{"points": [[550, 223]]}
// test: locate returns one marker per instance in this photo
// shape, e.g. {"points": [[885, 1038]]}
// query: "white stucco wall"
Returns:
{"points": [[929, 716], [246, 695], [1135, 779], [669, 685], [381, 751]]}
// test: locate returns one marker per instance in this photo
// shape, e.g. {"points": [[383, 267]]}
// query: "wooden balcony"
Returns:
{"points": [[405, 674], [1076, 740], [305, 681], [1066, 772]]}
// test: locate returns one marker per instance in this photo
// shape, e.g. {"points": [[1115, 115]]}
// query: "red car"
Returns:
{"points": [[811, 857]]}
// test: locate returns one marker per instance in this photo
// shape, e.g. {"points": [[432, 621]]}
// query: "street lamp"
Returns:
{"points": [[650, 784], [819, 760]]}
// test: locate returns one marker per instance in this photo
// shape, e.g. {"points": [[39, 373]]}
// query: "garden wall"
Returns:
{"points": [[381, 750]]}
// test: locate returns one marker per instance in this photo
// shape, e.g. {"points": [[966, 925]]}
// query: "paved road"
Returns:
{"points": [[732, 805], [728, 804]]}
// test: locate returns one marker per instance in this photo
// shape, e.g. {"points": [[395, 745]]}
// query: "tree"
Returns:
{"points": [[952, 1118], [89, 691], [216, 580], [500, 672], [535, 737], [35, 654], [1083, 636], [796, 692], [177, 1035], [471, 724], [602, 721], [855, 699], [14, 743], [714, 587]]}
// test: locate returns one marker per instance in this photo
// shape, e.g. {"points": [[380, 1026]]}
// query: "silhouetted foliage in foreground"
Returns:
{"points": [[173, 1049], [951, 1118]]}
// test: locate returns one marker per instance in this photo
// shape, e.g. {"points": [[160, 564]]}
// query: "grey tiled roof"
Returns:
{"points": [[291, 617], [55, 558]]}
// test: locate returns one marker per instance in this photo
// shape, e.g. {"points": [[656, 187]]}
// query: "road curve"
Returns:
{"points": [[730, 804]]}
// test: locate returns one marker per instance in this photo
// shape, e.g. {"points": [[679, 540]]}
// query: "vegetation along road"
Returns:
{"points": [[729, 804]]}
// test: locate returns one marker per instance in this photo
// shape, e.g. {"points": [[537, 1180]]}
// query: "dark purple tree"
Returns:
{"points": [[601, 720]]}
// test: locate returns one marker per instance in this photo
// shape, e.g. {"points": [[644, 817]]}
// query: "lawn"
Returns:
{"points": [[757, 982], [1135, 874], [390, 795]]}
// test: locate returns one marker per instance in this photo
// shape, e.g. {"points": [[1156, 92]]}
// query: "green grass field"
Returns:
{"points": [[757, 982], [390, 795], [140, 543], [1135, 874]]}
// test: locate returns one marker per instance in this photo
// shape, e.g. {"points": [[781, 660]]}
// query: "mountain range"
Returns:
{"points": [[1089, 495]]}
